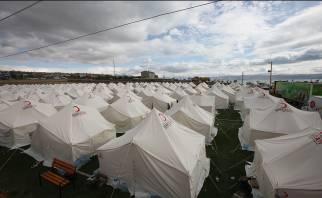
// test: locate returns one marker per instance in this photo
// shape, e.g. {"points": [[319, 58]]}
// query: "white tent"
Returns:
{"points": [[244, 92], [56, 99], [73, 132], [159, 157], [222, 100], [92, 100], [19, 121], [205, 85], [280, 119], [146, 93], [289, 166], [205, 102], [315, 104], [164, 90], [75, 92], [218, 85], [201, 89], [9, 96], [104, 92], [260, 101], [112, 86], [158, 100], [189, 90], [3, 105], [122, 93], [192, 84], [125, 113], [138, 89], [229, 92], [191, 115], [235, 86], [171, 86], [34, 95], [178, 94]]}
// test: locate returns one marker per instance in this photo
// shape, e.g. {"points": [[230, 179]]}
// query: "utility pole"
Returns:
{"points": [[242, 78], [270, 75], [114, 68], [147, 66]]}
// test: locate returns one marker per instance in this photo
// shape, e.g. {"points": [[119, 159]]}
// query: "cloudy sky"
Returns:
{"points": [[224, 38]]}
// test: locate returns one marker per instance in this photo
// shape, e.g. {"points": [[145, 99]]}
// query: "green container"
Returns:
{"points": [[296, 91], [317, 90]]}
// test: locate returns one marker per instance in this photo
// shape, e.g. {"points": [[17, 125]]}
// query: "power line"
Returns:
{"points": [[21, 10], [107, 29]]}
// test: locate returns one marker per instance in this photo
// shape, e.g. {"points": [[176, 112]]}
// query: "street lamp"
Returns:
{"points": [[270, 71]]}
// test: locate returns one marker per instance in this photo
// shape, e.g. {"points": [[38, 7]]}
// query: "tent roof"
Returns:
{"points": [[129, 106], [260, 101], [203, 100], [128, 93], [92, 100], [190, 90], [228, 89], [217, 92], [75, 92], [292, 161], [23, 113], [56, 99], [180, 92], [163, 97], [192, 110], [287, 120], [77, 124], [164, 139], [146, 92]]}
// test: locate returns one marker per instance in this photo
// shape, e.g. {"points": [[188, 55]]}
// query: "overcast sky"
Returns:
{"points": [[225, 38]]}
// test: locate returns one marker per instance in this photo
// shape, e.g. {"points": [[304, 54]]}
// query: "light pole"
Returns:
{"points": [[114, 68], [270, 76]]}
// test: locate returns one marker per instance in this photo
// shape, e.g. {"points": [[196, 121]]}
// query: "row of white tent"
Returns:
{"points": [[163, 152], [126, 110], [80, 123], [155, 93], [287, 144]]}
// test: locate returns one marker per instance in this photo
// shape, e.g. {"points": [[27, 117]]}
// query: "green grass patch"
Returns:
{"points": [[227, 160]]}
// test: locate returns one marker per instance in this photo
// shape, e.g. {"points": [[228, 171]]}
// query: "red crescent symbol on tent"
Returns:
{"points": [[312, 104], [27, 102], [163, 118], [77, 108], [284, 105]]}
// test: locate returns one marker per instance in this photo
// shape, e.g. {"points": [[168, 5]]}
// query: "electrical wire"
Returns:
{"points": [[107, 29], [19, 11]]}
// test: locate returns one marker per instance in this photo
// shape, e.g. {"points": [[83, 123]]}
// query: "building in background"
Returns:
{"points": [[148, 74]]}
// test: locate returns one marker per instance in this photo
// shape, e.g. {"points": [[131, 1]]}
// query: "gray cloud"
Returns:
{"points": [[309, 55], [175, 69], [50, 22], [215, 35]]}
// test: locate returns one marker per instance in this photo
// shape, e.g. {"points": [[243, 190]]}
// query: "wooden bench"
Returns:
{"points": [[61, 174]]}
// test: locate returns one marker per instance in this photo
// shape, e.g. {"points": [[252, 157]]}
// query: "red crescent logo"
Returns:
{"points": [[27, 102], [77, 108], [312, 104], [163, 118]]}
